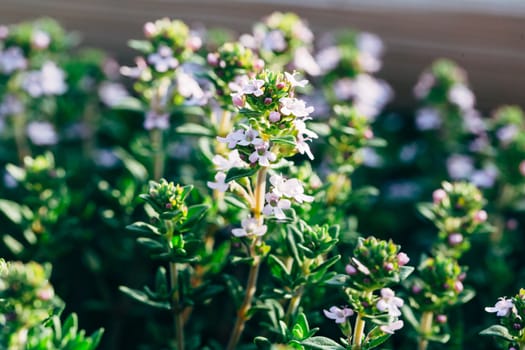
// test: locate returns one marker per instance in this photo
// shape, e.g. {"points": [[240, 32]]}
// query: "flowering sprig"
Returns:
{"points": [[284, 41], [511, 313], [457, 212], [170, 237], [376, 264]]}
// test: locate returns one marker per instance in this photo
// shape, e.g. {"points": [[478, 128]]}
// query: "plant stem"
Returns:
{"points": [[156, 136], [294, 304], [358, 332], [178, 314], [251, 284], [425, 329], [20, 137]]}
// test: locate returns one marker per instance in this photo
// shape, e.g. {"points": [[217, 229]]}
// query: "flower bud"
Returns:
{"points": [[281, 85], [441, 318], [213, 59], [350, 269], [267, 100], [455, 239], [458, 286], [439, 195], [238, 101], [416, 289], [522, 167], [481, 216], [258, 64], [369, 134], [149, 29], [194, 43], [274, 116], [512, 224], [402, 259], [389, 266], [4, 32]]}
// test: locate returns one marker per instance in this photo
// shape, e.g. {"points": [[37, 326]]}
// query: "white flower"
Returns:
{"points": [[328, 58], [303, 60], [371, 158], [423, 86], [163, 59], [461, 96], [302, 32], [188, 88], [293, 81], [337, 314], [250, 137], [42, 133], [219, 183], [262, 155], [111, 94], [40, 39], [507, 133], [253, 87], [275, 205], [295, 106], [369, 43], [233, 138], [10, 105], [134, 72], [12, 59], [392, 327], [303, 135], [460, 166], [368, 62], [291, 188], [274, 41], [389, 302], [156, 120], [50, 80], [428, 119], [370, 95], [250, 227], [225, 164], [502, 308]]}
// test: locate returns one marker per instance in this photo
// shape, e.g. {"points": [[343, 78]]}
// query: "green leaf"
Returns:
{"points": [[12, 210], [130, 104], [466, 295], [425, 209], [14, 246], [136, 169], [498, 331], [150, 243], [142, 297], [278, 268], [143, 227], [439, 338], [375, 338], [262, 343], [337, 280], [321, 343], [194, 129], [405, 271], [143, 46], [285, 140], [237, 173], [408, 314]]}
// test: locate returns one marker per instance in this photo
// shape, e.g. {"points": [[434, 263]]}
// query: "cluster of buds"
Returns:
{"points": [[283, 40], [376, 264], [230, 62], [439, 284], [27, 300], [161, 76], [347, 64], [508, 126], [457, 213], [168, 199], [449, 102], [511, 312]]}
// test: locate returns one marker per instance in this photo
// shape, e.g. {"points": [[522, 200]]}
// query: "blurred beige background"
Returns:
{"points": [[487, 37]]}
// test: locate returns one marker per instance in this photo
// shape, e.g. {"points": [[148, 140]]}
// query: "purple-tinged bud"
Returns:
{"points": [[350, 269], [369, 134], [439, 195], [455, 239], [446, 286], [402, 259], [458, 286], [481, 216], [4, 32], [522, 167], [517, 326], [441, 318], [149, 29], [258, 64], [168, 206], [512, 224], [389, 266], [462, 276], [222, 64], [416, 289], [194, 43], [365, 304], [274, 116], [268, 100], [366, 280], [238, 100], [45, 294], [213, 59], [281, 85], [512, 348]]}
